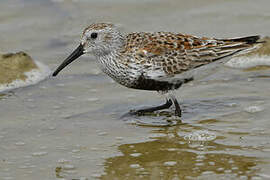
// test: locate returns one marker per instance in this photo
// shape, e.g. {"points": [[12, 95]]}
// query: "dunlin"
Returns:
{"points": [[150, 61]]}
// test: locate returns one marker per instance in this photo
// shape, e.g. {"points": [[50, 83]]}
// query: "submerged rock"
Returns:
{"points": [[14, 66], [19, 69]]}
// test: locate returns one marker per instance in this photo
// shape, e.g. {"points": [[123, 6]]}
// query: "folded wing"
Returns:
{"points": [[163, 54]]}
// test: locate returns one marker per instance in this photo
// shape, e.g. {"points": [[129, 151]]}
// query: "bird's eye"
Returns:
{"points": [[94, 35]]}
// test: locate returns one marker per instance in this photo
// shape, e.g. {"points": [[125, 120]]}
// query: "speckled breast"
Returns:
{"points": [[121, 73]]}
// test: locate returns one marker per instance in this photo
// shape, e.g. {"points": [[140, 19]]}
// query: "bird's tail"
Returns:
{"points": [[223, 50], [242, 45], [248, 39]]}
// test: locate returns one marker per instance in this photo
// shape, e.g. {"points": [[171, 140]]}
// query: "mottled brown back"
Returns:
{"points": [[176, 53]]}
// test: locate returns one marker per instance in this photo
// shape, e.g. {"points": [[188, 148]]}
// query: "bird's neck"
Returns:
{"points": [[115, 48], [110, 60], [114, 52]]}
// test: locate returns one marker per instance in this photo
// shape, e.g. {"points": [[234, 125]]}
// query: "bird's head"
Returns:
{"points": [[99, 40]]}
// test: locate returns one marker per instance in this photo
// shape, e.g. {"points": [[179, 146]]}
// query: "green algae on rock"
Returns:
{"points": [[13, 66], [20, 70]]}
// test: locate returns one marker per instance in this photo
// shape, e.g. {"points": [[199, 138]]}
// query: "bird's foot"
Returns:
{"points": [[151, 110]]}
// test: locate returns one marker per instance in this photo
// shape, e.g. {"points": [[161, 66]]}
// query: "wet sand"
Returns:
{"points": [[70, 127]]}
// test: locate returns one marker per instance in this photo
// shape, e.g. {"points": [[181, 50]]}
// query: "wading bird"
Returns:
{"points": [[150, 61]]}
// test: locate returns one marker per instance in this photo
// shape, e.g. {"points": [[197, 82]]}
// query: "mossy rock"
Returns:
{"points": [[14, 66]]}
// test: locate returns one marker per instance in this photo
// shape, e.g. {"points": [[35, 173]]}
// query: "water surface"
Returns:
{"points": [[71, 127]]}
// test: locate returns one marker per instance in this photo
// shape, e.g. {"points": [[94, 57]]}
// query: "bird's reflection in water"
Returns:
{"points": [[171, 156]]}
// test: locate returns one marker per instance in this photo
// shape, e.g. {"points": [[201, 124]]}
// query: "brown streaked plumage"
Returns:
{"points": [[149, 61], [97, 26], [177, 53]]}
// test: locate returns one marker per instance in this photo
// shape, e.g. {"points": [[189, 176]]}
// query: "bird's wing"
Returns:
{"points": [[164, 54]]}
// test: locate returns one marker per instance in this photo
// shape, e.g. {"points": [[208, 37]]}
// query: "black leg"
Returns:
{"points": [[152, 109], [178, 111]]}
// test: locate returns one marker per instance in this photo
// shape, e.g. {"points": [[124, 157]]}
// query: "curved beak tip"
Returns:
{"points": [[54, 73]]}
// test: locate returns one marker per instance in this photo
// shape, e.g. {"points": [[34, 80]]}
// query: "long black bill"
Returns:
{"points": [[74, 55]]}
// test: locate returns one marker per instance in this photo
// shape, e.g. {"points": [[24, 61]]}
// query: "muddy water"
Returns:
{"points": [[70, 127]]}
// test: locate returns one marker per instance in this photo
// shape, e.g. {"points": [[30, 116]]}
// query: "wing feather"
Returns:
{"points": [[165, 54]]}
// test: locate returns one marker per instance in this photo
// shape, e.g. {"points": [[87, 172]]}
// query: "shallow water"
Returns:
{"points": [[72, 127]]}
